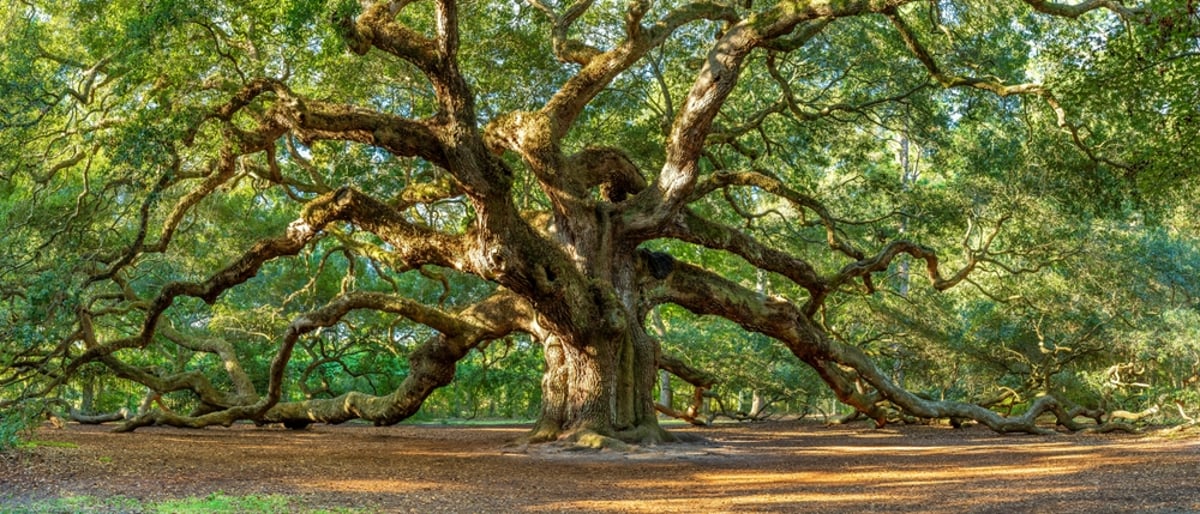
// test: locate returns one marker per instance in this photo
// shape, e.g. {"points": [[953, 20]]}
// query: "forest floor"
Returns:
{"points": [[763, 467]]}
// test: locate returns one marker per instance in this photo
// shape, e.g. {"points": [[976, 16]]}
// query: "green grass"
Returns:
{"points": [[480, 422], [46, 444], [213, 503]]}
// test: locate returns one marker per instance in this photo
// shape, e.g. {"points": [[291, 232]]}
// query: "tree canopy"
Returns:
{"points": [[310, 211]]}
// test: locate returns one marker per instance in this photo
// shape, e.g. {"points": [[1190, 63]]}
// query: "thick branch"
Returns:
{"points": [[431, 365], [703, 292], [712, 87]]}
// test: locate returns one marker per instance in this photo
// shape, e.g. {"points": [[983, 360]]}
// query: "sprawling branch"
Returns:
{"points": [[411, 244], [159, 382], [703, 292], [298, 235], [431, 365]]}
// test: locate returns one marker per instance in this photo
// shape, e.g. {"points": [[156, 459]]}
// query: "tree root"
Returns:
{"points": [[587, 439], [594, 439]]}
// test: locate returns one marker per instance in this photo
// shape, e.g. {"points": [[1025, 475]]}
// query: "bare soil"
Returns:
{"points": [[764, 467]]}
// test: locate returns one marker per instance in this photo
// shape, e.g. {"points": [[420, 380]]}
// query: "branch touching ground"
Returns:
{"points": [[840, 365]]}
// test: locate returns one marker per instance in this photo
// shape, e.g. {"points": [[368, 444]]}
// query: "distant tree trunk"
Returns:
{"points": [[757, 404], [87, 403], [665, 395], [909, 173]]}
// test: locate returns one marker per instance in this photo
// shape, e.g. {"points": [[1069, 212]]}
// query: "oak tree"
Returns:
{"points": [[182, 180]]}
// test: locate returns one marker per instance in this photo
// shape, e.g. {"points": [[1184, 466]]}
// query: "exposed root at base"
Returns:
{"points": [[626, 441]]}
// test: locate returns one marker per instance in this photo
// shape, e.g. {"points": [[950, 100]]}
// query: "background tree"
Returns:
{"points": [[312, 211]]}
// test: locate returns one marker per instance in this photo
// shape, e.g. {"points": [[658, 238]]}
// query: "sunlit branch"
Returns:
{"points": [[601, 68], [565, 48], [711, 88], [377, 27]]}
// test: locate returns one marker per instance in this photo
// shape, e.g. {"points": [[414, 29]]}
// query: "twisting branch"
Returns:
{"points": [[712, 86], [845, 368], [431, 365], [536, 135], [882, 260], [377, 27], [412, 245]]}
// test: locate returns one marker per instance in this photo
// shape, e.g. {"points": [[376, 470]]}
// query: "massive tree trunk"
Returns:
{"points": [[603, 388], [601, 367]]}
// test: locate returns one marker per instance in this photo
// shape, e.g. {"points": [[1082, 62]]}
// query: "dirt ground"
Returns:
{"points": [[766, 467]]}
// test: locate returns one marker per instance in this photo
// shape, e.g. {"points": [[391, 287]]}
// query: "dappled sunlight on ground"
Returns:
{"points": [[370, 486], [772, 467], [1067, 474]]}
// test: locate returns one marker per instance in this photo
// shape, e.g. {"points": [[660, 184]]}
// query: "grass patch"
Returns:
{"points": [[483, 422], [213, 503], [47, 444]]}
